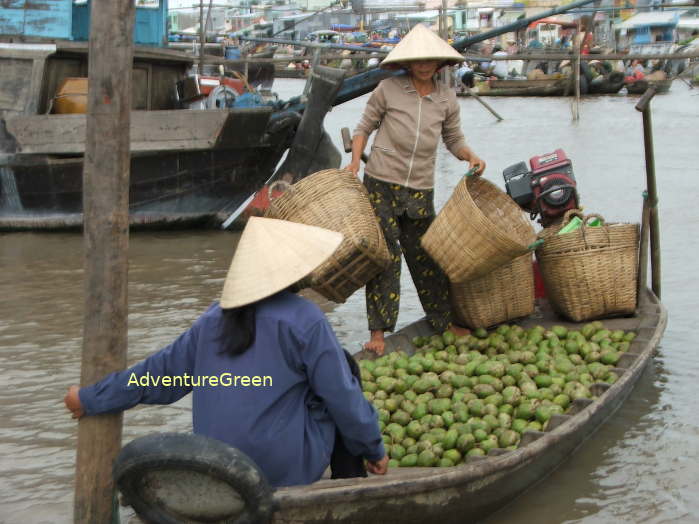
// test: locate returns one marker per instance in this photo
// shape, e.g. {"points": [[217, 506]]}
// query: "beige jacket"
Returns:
{"points": [[409, 127]]}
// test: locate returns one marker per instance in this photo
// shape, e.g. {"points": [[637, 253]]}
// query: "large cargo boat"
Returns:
{"points": [[199, 146]]}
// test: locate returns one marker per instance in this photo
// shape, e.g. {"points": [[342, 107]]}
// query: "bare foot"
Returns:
{"points": [[459, 331], [376, 343]]}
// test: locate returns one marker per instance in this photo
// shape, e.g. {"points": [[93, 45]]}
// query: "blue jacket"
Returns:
{"points": [[293, 390]]}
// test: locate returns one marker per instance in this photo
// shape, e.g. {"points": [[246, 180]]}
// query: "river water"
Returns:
{"points": [[642, 465]]}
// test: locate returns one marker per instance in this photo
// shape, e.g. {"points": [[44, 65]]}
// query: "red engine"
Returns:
{"points": [[547, 190]]}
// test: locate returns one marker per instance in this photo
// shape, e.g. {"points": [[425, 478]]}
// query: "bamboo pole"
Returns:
{"points": [[105, 205], [576, 73], [643, 106]]}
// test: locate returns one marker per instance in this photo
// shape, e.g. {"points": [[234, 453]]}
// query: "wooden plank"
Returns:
{"points": [[150, 130]]}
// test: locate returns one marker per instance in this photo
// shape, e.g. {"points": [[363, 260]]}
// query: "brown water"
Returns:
{"points": [[642, 465]]}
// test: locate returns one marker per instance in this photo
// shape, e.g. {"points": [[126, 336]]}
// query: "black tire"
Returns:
{"points": [[192, 453]]}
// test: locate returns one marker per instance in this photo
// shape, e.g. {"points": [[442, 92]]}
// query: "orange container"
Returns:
{"points": [[71, 96]]}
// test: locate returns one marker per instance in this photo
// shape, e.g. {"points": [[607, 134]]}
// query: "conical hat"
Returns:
{"points": [[273, 254], [421, 44]]}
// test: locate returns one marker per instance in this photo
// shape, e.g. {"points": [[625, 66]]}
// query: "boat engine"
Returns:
{"points": [[546, 188]]}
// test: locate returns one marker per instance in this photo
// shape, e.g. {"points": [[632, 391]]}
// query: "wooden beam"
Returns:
{"points": [[106, 238], [168, 130]]}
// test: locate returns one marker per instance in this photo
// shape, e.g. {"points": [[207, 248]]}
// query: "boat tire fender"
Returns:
{"points": [[149, 472]]}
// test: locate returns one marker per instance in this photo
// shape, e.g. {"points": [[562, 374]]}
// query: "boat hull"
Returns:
{"points": [[467, 493], [166, 188]]}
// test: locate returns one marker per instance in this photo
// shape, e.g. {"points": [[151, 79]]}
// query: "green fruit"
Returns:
{"points": [[609, 357], [438, 406], [483, 390], [535, 425], [543, 381], [450, 438], [495, 399], [449, 418], [519, 425], [444, 391], [476, 407], [409, 461], [507, 438], [445, 463], [397, 452], [426, 459], [507, 409], [543, 414], [475, 452], [562, 400], [382, 371], [490, 443], [414, 429], [465, 442], [525, 411], [393, 463], [452, 454], [480, 333], [480, 435], [448, 338], [560, 331]]}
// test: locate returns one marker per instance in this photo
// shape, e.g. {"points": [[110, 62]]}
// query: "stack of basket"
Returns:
{"points": [[481, 241], [590, 272], [335, 199]]}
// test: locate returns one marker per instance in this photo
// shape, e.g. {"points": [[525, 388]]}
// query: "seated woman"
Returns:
{"points": [[267, 373]]}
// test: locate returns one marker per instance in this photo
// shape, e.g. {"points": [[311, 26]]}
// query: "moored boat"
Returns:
{"points": [[538, 87], [640, 86], [200, 145]]}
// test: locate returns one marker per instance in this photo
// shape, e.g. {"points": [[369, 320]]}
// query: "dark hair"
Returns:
{"points": [[238, 330]]}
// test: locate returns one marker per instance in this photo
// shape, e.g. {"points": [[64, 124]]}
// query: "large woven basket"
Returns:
{"points": [[591, 272], [479, 229], [504, 294], [335, 199]]}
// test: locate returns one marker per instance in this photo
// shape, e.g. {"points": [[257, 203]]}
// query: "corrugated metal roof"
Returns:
{"points": [[652, 18]]}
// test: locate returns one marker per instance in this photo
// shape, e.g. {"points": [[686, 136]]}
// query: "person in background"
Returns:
{"points": [[309, 414], [499, 67], [634, 72], [411, 112]]}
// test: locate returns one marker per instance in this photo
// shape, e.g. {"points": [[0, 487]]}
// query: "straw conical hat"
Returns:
{"points": [[421, 44], [273, 254]]}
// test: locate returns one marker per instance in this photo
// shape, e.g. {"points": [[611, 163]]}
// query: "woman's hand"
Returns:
{"points": [[353, 167], [72, 401], [475, 161], [379, 467]]}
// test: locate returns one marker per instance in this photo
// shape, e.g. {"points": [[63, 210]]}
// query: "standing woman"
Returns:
{"points": [[411, 111]]}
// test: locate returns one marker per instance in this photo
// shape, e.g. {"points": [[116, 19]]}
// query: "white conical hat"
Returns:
{"points": [[273, 254], [421, 44]]}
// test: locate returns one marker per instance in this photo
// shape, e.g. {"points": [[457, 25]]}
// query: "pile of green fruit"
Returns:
{"points": [[463, 396]]}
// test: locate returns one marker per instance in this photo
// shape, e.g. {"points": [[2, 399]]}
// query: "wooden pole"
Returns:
{"points": [[202, 37], [643, 106], [576, 74], [106, 229]]}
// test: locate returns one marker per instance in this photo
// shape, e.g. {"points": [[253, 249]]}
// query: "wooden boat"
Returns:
{"points": [[640, 86], [472, 490], [607, 85], [542, 87], [194, 157]]}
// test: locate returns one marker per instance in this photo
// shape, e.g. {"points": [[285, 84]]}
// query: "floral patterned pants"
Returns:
{"points": [[404, 214]]}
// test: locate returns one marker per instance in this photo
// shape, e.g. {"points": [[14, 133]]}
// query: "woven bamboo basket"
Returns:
{"points": [[591, 272], [504, 294], [335, 199], [479, 229]]}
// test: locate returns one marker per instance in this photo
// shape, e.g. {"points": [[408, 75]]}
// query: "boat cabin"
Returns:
{"points": [[70, 20]]}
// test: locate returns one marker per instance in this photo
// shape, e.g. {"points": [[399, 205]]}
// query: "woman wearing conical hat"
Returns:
{"points": [[412, 112], [265, 369]]}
